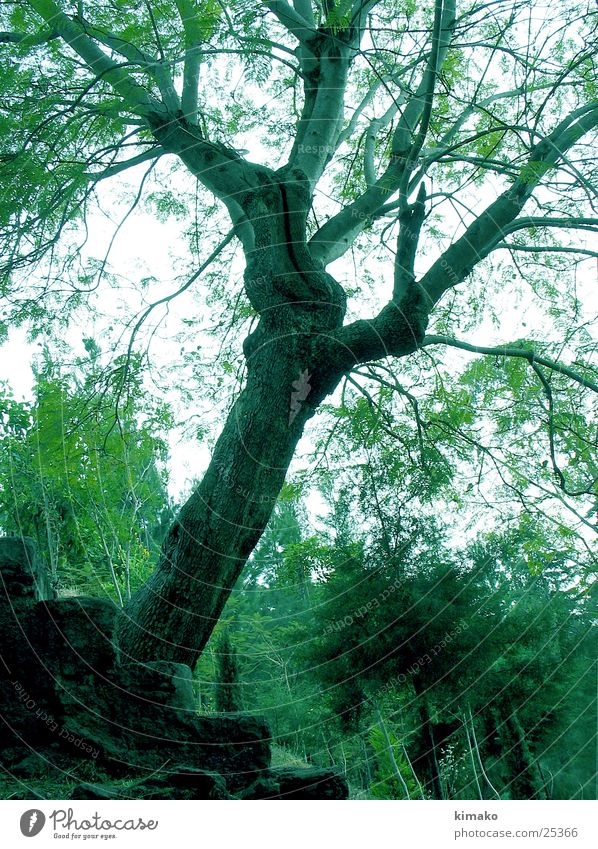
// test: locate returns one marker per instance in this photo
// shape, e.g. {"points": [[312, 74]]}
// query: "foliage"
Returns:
{"points": [[89, 488], [469, 659], [449, 151]]}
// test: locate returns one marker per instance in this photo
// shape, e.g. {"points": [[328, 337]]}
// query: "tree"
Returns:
{"points": [[471, 662], [227, 684], [91, 490], [395, 127]]}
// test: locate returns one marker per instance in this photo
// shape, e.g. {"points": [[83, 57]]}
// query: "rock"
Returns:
{"points": [[191, 783], [25, 682], [160, 682], [130, 739], [186, 783], [24, 575], [298, 783], [195, 784], [77, 633], [208, 783], [36, 765], [98, 791], [24, 707], [265, 787], [63, 685], [310, 783]]}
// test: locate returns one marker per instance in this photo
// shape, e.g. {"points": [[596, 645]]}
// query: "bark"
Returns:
{"points": [[525, 781], [295, 358], [289, 373], [173, 614]]}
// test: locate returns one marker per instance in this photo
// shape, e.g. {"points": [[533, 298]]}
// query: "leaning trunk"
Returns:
{"points": [[524, 779], [294, 359], [173, 615]]}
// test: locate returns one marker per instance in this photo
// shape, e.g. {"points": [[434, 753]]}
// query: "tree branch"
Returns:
{"points": [[27, 39], [406, 144], [304, 9], [221, 170], [508, 351], [489, 228], [324, 63], [551, 436], [338, 233], [290, 18], [189, 15], [154, 67], [538, 221], [119, 167], [400, 390], [371, 136], [515, 246], [73, 33], [411, 220], [165, 300]]}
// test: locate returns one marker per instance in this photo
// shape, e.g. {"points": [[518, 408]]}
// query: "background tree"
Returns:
{"points": [[88, 487], [417, 140], [227, 689], [441, 673]]}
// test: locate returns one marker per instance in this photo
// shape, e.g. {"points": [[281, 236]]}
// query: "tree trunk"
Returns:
{"points": [[172, 616], [428, 758], [524, 779], [296, 356]]}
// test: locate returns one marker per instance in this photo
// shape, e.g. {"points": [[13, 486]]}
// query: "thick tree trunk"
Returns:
{"points": [[295, 358], [173, 615]]}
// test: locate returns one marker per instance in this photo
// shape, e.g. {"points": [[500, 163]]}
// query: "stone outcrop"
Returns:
{"points": [[298, 783], [67, 696], [187, 783]]}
